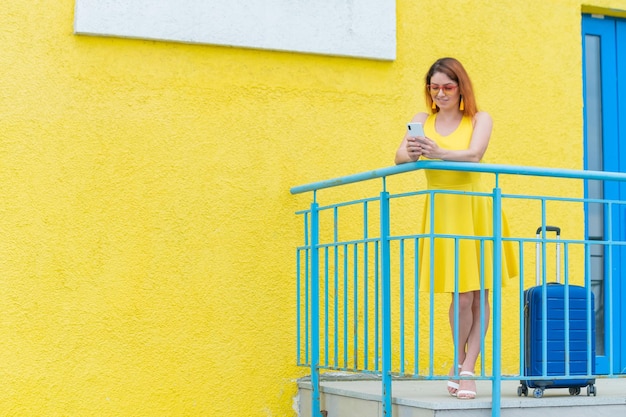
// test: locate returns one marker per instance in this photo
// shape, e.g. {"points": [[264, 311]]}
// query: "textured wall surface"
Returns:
{"points": [[147, 233]]}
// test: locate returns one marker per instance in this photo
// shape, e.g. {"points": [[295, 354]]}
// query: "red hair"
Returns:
{"points": [[455, 71]]}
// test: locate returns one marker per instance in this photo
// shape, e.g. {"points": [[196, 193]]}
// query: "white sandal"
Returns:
{"points": [[465, 394], [453, 385]]}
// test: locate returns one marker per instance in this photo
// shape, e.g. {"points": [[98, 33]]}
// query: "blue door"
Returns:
{"points": [[604, 89]]}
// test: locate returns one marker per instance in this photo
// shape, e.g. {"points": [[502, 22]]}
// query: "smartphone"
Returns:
{"points": [[415, 129]]}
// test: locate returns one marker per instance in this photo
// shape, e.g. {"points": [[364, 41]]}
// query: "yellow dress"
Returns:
{"points": [[457, 214]]}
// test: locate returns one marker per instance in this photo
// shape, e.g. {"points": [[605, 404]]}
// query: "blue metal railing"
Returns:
{"points": [[358, 305]]}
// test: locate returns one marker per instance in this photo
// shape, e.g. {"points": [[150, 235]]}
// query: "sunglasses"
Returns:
{"points": [[448, 89]]}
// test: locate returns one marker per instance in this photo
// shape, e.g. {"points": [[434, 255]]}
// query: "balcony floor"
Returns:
{"points": [[346, 396]]}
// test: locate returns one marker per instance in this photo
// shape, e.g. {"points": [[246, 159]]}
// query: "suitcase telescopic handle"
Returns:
{"points": [[556, 230]]}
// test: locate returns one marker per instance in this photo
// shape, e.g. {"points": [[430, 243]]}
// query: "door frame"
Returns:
{"points": [[612, 33]]}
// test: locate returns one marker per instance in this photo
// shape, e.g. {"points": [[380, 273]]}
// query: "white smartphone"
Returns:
{"points": [[415, 129]]}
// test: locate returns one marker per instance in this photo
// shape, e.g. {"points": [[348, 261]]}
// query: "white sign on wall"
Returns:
{"points": [[356, 28]]}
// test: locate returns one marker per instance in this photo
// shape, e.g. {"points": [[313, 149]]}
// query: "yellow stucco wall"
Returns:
{"points": [[147, 232]]}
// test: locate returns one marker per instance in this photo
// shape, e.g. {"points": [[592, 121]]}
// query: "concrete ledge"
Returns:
{"points": [[412, 398]]}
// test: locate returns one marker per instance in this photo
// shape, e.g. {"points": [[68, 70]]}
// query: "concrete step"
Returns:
{"points": [[361, 397]]}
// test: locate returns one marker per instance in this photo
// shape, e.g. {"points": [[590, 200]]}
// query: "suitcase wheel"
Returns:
{"points": [[591, 390], [522, 390], [574, 390], [538, 393]]}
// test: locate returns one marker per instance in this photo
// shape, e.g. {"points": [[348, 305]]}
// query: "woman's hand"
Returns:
{"points": [[413, 148], [410, 150], [429, 148]]}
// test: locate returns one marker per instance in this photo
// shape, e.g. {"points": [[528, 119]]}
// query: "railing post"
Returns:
{"points": [[315, 312], [386, 301], [497, 301]]}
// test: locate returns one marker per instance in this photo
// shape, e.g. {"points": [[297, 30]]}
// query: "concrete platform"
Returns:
{"points": [[361, 397]]}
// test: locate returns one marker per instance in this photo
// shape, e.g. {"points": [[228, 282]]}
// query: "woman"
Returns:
{"points": [[456, 131]]}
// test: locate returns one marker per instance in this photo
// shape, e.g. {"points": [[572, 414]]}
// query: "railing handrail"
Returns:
{"points": [[460, 166]]}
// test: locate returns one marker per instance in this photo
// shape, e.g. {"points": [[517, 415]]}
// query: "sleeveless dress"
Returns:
{"points": [[458, 214]]}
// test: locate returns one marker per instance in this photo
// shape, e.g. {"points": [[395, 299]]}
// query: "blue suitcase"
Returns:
{"points": [[559, 350]]}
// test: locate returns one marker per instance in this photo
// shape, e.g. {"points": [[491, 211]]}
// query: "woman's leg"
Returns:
{"points": [[466, 320], [474, 341], [465, 324], [475, 336]]}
